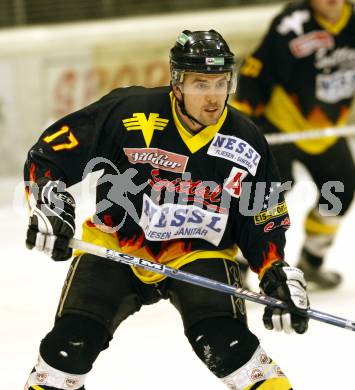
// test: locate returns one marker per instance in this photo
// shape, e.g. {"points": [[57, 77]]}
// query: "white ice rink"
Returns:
{"points": [[149, 350]]}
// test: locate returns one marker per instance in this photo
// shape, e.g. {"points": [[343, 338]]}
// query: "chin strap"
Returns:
{"points": [[183, 110], [182, 107]]}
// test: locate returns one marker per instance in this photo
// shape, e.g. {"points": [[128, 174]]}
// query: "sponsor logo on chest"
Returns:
{"points": [[331, 88], [157, 158], [147, 126], [236, 150], [207, 194], [307, 44], [173, 221]]}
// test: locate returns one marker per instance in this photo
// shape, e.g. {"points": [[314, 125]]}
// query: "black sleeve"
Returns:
{"points": [[64, 149], [261, 228], [270, 64]]}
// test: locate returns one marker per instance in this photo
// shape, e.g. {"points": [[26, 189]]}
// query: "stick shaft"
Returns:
{"points": [[203, 281], [282, 138]]}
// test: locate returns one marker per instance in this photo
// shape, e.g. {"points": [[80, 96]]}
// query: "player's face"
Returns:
{"points": [[205, 96], [329, 9]]}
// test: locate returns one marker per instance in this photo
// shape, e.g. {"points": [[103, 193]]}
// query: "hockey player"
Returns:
{"points": [[302, 77], [181, 169]]}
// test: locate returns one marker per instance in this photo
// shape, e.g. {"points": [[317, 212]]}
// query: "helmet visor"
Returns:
{"points": [[192, 82]]}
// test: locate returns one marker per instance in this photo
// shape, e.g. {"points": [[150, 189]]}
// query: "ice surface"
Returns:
{"points": [[149, 350]]}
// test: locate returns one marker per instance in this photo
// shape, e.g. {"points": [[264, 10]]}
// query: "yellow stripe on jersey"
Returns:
{"points": [[315, 226], [151, 277], [337, 27], [35, 387], [241, 106], [251, 67], [283, 113], [196, 141], [271, 384], [174, 255], [245, 107]]}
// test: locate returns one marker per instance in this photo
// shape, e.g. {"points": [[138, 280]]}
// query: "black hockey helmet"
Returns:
{"points": [[202, 52]]}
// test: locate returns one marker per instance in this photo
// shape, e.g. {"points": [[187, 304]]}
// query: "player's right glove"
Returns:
{"points": [[287, 284], [52, 219]]}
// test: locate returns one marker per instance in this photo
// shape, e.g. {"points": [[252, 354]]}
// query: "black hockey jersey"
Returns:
{"points": [[165, 194], [302, 75]]}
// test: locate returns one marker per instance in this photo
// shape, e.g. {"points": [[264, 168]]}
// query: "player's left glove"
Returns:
{"points": [[52, 219], [287, 284]]}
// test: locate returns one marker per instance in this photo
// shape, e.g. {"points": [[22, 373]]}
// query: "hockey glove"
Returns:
{"points": [[287, 284], [52, 219]]}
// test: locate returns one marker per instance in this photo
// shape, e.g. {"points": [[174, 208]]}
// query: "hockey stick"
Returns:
{"points": [[283, 138], [203, 281]]}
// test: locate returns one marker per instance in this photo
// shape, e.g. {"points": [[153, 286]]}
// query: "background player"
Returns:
{"points": [[302, 77]]}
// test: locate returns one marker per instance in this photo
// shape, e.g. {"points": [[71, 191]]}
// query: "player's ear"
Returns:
{"points": [[177, 92]]}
